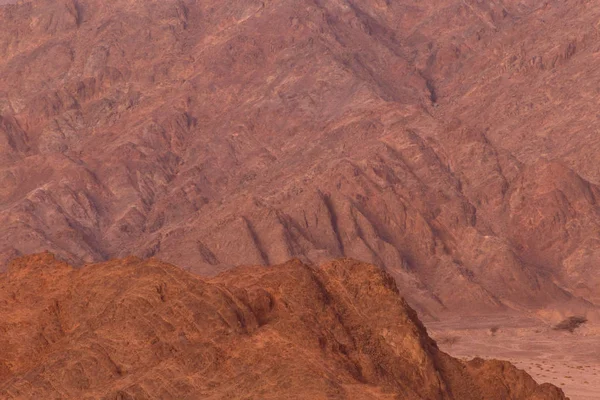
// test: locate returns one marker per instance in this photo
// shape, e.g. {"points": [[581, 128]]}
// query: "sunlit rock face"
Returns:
{"points": [[133, 329]]}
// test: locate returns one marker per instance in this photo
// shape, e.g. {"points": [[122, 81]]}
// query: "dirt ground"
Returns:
{"points": [[570, 361]]}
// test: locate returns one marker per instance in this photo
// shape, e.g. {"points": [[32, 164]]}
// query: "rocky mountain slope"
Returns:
{"points": [[133, 329], [451, 142]]}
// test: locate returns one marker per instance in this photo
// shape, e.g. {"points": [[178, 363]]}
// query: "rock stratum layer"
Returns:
{"points": [[453, 142], [133, 329]]}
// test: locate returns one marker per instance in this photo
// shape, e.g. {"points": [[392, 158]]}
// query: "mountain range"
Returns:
{"points": [[452, 143]]}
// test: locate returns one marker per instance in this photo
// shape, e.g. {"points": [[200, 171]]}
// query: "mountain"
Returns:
{"points": [[452, 143], [134, 329]]}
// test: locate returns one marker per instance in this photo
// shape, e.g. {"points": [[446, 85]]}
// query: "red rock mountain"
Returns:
{"points": [[133, 329], [452, 142]]}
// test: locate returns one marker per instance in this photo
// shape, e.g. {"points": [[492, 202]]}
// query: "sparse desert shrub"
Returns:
{"points": [[448, 340], [494, 329], [570, 324]]}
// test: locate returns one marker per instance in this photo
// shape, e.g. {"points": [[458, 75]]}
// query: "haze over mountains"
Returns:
{"points": [[453, 143]]}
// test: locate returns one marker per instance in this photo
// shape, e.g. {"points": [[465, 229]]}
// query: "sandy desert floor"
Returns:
{"points": [[568, 360]]}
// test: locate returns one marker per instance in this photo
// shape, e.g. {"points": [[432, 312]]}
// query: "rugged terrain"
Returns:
{"points": [[134, 329], [452, 142]]}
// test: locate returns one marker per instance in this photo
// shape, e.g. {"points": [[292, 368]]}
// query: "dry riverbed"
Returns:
{"points": [[570, 361]]}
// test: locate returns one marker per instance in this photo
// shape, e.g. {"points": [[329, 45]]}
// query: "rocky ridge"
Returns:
{"points": [[135, 329]]}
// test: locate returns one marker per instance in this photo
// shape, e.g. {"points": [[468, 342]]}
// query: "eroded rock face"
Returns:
{"points": [[450, 142], [138, 329]]}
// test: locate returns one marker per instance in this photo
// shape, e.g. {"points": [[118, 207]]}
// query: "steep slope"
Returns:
{"points": [[425, 137], [138, 329]]}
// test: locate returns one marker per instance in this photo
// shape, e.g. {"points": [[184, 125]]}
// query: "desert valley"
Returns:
{"points": [[353, 199]]}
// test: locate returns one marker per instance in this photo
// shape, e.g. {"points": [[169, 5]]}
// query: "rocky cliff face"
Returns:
{"points": [[133, 329], [451, 142]]}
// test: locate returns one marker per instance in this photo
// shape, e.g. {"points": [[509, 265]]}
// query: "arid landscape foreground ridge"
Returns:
{"points": [[133, 329], [453, 143]]}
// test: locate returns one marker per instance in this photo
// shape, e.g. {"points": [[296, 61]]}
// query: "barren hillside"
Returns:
{"points": [[133, 329], [452, 142]]}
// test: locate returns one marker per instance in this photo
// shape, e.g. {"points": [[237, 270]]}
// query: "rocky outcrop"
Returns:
{"points": [[130, 328]]}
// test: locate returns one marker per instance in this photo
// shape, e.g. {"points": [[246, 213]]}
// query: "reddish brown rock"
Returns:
{"points": [[452, 142], [138, 329]]}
